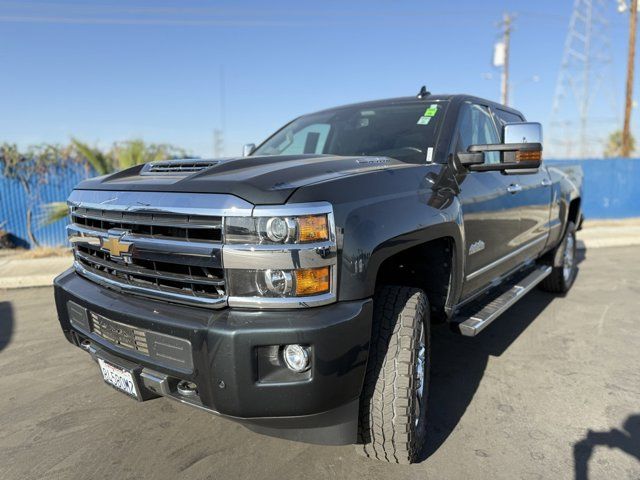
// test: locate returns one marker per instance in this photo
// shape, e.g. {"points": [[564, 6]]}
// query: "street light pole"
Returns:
{"points": [[626, 135]]}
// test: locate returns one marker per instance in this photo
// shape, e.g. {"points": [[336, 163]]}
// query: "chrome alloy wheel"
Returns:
{"points": [[568, 257], [420, 370]]}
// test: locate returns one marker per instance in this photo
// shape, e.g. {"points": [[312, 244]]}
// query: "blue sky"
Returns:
{"points": [[108, 70]]}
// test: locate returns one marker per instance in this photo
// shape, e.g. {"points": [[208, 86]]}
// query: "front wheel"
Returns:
{"points": [[393, 405], [562, 276]]}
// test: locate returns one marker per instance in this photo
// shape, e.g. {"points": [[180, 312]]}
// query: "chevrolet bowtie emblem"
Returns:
{"points": [[114, 244]]}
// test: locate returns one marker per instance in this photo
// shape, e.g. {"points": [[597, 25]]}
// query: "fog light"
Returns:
{"points": [[296, 357]]}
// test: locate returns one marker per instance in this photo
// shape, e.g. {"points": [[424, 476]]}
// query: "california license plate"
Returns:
{"points": [[119, 378]]}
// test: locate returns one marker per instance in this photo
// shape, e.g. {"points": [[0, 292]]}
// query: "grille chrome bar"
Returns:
{"points": [[150, 292], [146, 272], [208, 204], [146, 247], [160, 219]]}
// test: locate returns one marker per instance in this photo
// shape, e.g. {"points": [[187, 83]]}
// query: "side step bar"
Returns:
{"points": [[475, 317]]}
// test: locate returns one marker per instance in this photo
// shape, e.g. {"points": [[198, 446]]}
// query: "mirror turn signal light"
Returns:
{"points": [[528, 156]]}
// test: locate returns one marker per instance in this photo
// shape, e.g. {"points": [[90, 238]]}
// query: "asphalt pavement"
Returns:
{"points": [[551, 390]]}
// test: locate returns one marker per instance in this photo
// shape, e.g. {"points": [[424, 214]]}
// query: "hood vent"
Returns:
{"points": [[185, 165]]}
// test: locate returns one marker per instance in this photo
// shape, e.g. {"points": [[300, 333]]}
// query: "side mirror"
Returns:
{"points": [[248, 149], [521, 149]]}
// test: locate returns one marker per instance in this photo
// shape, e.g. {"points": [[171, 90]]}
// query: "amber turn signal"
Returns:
{"points": [[313, 228], [526, 156], [312, 281]]}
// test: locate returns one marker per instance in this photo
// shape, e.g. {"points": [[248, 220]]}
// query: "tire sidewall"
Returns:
{"points": [[420, 428]]}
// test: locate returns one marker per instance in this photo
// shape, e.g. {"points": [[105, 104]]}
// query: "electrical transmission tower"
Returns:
{"points": [[586, 64]]}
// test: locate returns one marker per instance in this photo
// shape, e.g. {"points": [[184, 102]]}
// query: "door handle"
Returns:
{"points": [[514, 188], [545, 182]]}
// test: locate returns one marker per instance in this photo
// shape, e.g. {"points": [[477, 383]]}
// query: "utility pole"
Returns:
{"points": [[626, 135], [506, 39]]}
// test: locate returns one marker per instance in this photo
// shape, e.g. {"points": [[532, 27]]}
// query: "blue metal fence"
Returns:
{"points": [[611, 190], [14, 202], [611, 186]]}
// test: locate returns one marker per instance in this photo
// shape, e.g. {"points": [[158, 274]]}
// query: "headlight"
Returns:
{"points": [[281, 257], [303, 282], [276, 230]]}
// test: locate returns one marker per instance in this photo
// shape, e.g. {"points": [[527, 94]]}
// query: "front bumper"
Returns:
{"points": [[228, 349]]}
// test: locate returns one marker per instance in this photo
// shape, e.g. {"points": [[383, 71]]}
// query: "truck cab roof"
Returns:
{"points": [[431, 98]]}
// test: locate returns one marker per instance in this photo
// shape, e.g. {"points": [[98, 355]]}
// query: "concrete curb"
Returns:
{"points": [[17, 272], [27, 281]]}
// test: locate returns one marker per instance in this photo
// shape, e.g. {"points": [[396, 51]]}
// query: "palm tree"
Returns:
{"points": [[614, 144], [102, 163], [121, 156]]}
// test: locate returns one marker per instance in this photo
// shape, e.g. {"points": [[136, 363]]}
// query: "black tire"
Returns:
{"points": [[562, 277], [392, 423]]}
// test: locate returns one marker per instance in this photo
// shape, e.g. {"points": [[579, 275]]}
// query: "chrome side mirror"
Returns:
{"points": [[248, 149], [525, 132], [521, 149]]}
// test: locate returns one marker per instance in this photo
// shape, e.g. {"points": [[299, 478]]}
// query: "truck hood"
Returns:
{"points": [[259, 180]]}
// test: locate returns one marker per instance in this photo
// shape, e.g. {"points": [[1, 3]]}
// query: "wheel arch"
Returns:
{"points": [[431, 259]]}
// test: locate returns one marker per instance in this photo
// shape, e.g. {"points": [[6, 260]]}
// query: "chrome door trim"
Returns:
{"points": [[510, 255]]}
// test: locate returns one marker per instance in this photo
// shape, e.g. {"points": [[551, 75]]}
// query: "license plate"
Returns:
{"points": [[119, 378]]}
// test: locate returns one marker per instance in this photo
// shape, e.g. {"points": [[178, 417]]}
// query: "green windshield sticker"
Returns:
{"points": [[431, 111], [424, 120]]}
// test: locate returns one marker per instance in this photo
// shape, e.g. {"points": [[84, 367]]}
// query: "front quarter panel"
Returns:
{"points": [[380, 214]]}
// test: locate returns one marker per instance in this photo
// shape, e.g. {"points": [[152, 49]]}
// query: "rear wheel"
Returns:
{"points": [[562, 276], [393, 405]]}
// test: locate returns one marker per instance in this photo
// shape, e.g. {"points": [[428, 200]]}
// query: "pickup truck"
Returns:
{"points": [[293, 289]]}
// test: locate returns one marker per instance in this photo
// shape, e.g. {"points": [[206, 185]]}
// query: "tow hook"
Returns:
{"points": [[85, 345], [187, 389]]}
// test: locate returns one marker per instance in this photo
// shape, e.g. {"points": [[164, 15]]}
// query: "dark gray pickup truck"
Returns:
{"points": [[293, 290]]}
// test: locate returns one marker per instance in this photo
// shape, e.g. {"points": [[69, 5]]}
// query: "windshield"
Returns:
{"points": [[402, 131]]}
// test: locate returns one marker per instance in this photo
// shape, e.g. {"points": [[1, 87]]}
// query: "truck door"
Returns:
{"points": [[533, 198], [489, 204]]}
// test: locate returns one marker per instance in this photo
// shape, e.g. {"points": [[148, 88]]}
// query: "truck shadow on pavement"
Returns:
{"points": [[6, 324], [627, 440], [458, 363]]}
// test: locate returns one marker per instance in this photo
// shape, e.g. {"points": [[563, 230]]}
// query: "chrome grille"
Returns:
{"points": [[165, 276], [156, 225], [163, 245]]}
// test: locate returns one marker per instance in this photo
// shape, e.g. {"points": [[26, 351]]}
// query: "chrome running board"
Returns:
{"points": [[474, 317]]}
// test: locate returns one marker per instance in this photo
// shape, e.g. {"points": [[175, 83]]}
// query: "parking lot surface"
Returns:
{"points": [[550, 390]]}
